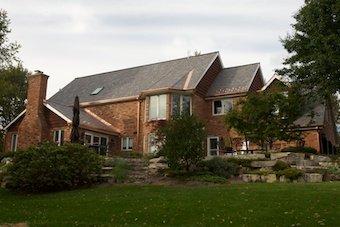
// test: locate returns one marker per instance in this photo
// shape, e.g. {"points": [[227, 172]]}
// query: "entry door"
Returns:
{"points": [[213, 146]]}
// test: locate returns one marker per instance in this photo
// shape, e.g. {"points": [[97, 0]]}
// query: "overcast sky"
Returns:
{"points": [[68, 39]]}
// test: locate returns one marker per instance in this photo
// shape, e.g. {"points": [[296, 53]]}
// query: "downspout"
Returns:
{"points": [[138, 121]]}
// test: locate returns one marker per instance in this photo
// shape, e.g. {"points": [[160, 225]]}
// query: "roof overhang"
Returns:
{"points": [[14, 120], [234, 95], [107, 101]]}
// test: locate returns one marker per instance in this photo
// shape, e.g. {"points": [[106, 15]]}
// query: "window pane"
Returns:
{"points": [[175, 104], [213, 143], [96, 140], [153, 107], [161, 106], [217, 107], [227, 105], [56, 136], [186, 104], [61, 137], [14, 142], [103, 141], [124, 141], [88, 139], [130, 141]]}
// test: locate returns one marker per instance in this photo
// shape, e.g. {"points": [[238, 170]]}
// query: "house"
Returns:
{"points": [[121, 110]]}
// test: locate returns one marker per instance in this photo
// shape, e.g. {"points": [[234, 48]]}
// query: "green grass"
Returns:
{"points": [[236, 205]]}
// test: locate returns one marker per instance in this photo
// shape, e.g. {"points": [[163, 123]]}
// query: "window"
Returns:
{"points": [[58, 137], [221, 107], [157, 108], [181, 104], [152, 143], [14, 142], [97, 90], [127, 143], [97, 142], [213, 146]]}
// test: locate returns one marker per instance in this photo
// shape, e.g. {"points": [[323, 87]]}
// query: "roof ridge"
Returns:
{"points": [[256, 63], [176, 59]]}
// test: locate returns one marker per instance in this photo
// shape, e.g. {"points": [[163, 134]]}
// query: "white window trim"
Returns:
{"points": [[223, 112], [97, 135], [127, 147], [181, 104], [59, 136], [157, 108], [208, 147], [16, 142]]}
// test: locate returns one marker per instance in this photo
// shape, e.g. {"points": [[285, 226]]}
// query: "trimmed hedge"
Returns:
{"points": [[49, 167]]}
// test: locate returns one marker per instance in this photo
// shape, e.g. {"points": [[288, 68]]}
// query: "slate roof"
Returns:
{"points": [[307, 120], [133, 81], [86, 120], [233, 80]]}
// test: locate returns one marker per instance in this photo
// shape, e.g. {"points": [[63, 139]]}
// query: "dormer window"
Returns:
{"points": [[97, 90]]}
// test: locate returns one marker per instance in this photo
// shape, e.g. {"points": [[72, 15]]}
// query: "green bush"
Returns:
{"points": [[308, 150], [280, 165], [120, 169], [208, 178], [181, 142], [291, 173], [221, 167], [49, 167], [243, 162]]}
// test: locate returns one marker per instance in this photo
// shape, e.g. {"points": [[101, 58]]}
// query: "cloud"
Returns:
{"points": [[67, 39]]}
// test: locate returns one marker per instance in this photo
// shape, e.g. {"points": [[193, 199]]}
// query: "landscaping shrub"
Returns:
{"points": [[120, 169], [221, 167], [280, 165], [291, 173], [308, 150], [49, 167], [243, 162], [181, 142], [208, 178]]}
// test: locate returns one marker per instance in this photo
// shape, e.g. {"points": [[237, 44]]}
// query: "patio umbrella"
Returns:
{"points": [[75, 122]]}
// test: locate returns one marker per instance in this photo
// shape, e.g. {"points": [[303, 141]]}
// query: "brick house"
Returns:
{"points": [[121, 110]]}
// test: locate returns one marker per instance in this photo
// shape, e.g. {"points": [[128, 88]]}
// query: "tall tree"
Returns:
{"points": [[8, 50], [263, 118], [314, 48]]}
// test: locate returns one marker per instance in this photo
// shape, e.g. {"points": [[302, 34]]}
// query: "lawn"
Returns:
{"points": [[236, 204]]}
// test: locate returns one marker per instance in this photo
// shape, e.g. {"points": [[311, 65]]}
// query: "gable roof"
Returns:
{"points": [[87, 120], [133, 81], [309, 120], [234, 80], [272, 80]]}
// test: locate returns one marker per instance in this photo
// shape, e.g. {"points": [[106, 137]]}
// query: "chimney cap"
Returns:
{"points": [[36, 73]]}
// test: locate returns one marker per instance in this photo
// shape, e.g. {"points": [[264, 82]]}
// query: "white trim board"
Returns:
{"points": [[14, 120]]}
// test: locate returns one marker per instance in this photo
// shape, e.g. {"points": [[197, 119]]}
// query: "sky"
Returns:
{"points": [[69, 39]]}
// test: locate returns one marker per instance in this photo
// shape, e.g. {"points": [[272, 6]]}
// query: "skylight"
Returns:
{"points": [[97, 90]]}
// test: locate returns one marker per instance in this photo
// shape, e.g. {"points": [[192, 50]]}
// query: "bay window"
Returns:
{"points": [[181, 104], [157, 107]]}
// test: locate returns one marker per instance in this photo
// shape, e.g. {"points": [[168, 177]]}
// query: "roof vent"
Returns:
{"points": [[97, 90]]}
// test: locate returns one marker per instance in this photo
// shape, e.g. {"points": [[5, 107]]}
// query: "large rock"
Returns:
{"points": [[248, 177], [294, 158], [278, 155], [262, 164], [312, 177], [157, 160], [246, 156], [320, 158], [269, 178]]}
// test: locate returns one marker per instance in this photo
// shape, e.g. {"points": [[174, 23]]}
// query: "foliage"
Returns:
{"points": [[265, 117], [209, 178], [243, 162], [314, 48], [120, 169], [308, 150], [182, 142], [8, 50], [49, 167], [291, 173], [280, 165], [221, 167], [13, 87], [130, 154]]}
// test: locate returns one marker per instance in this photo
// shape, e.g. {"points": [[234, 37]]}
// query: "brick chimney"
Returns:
{"points": [[33, 129]]}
